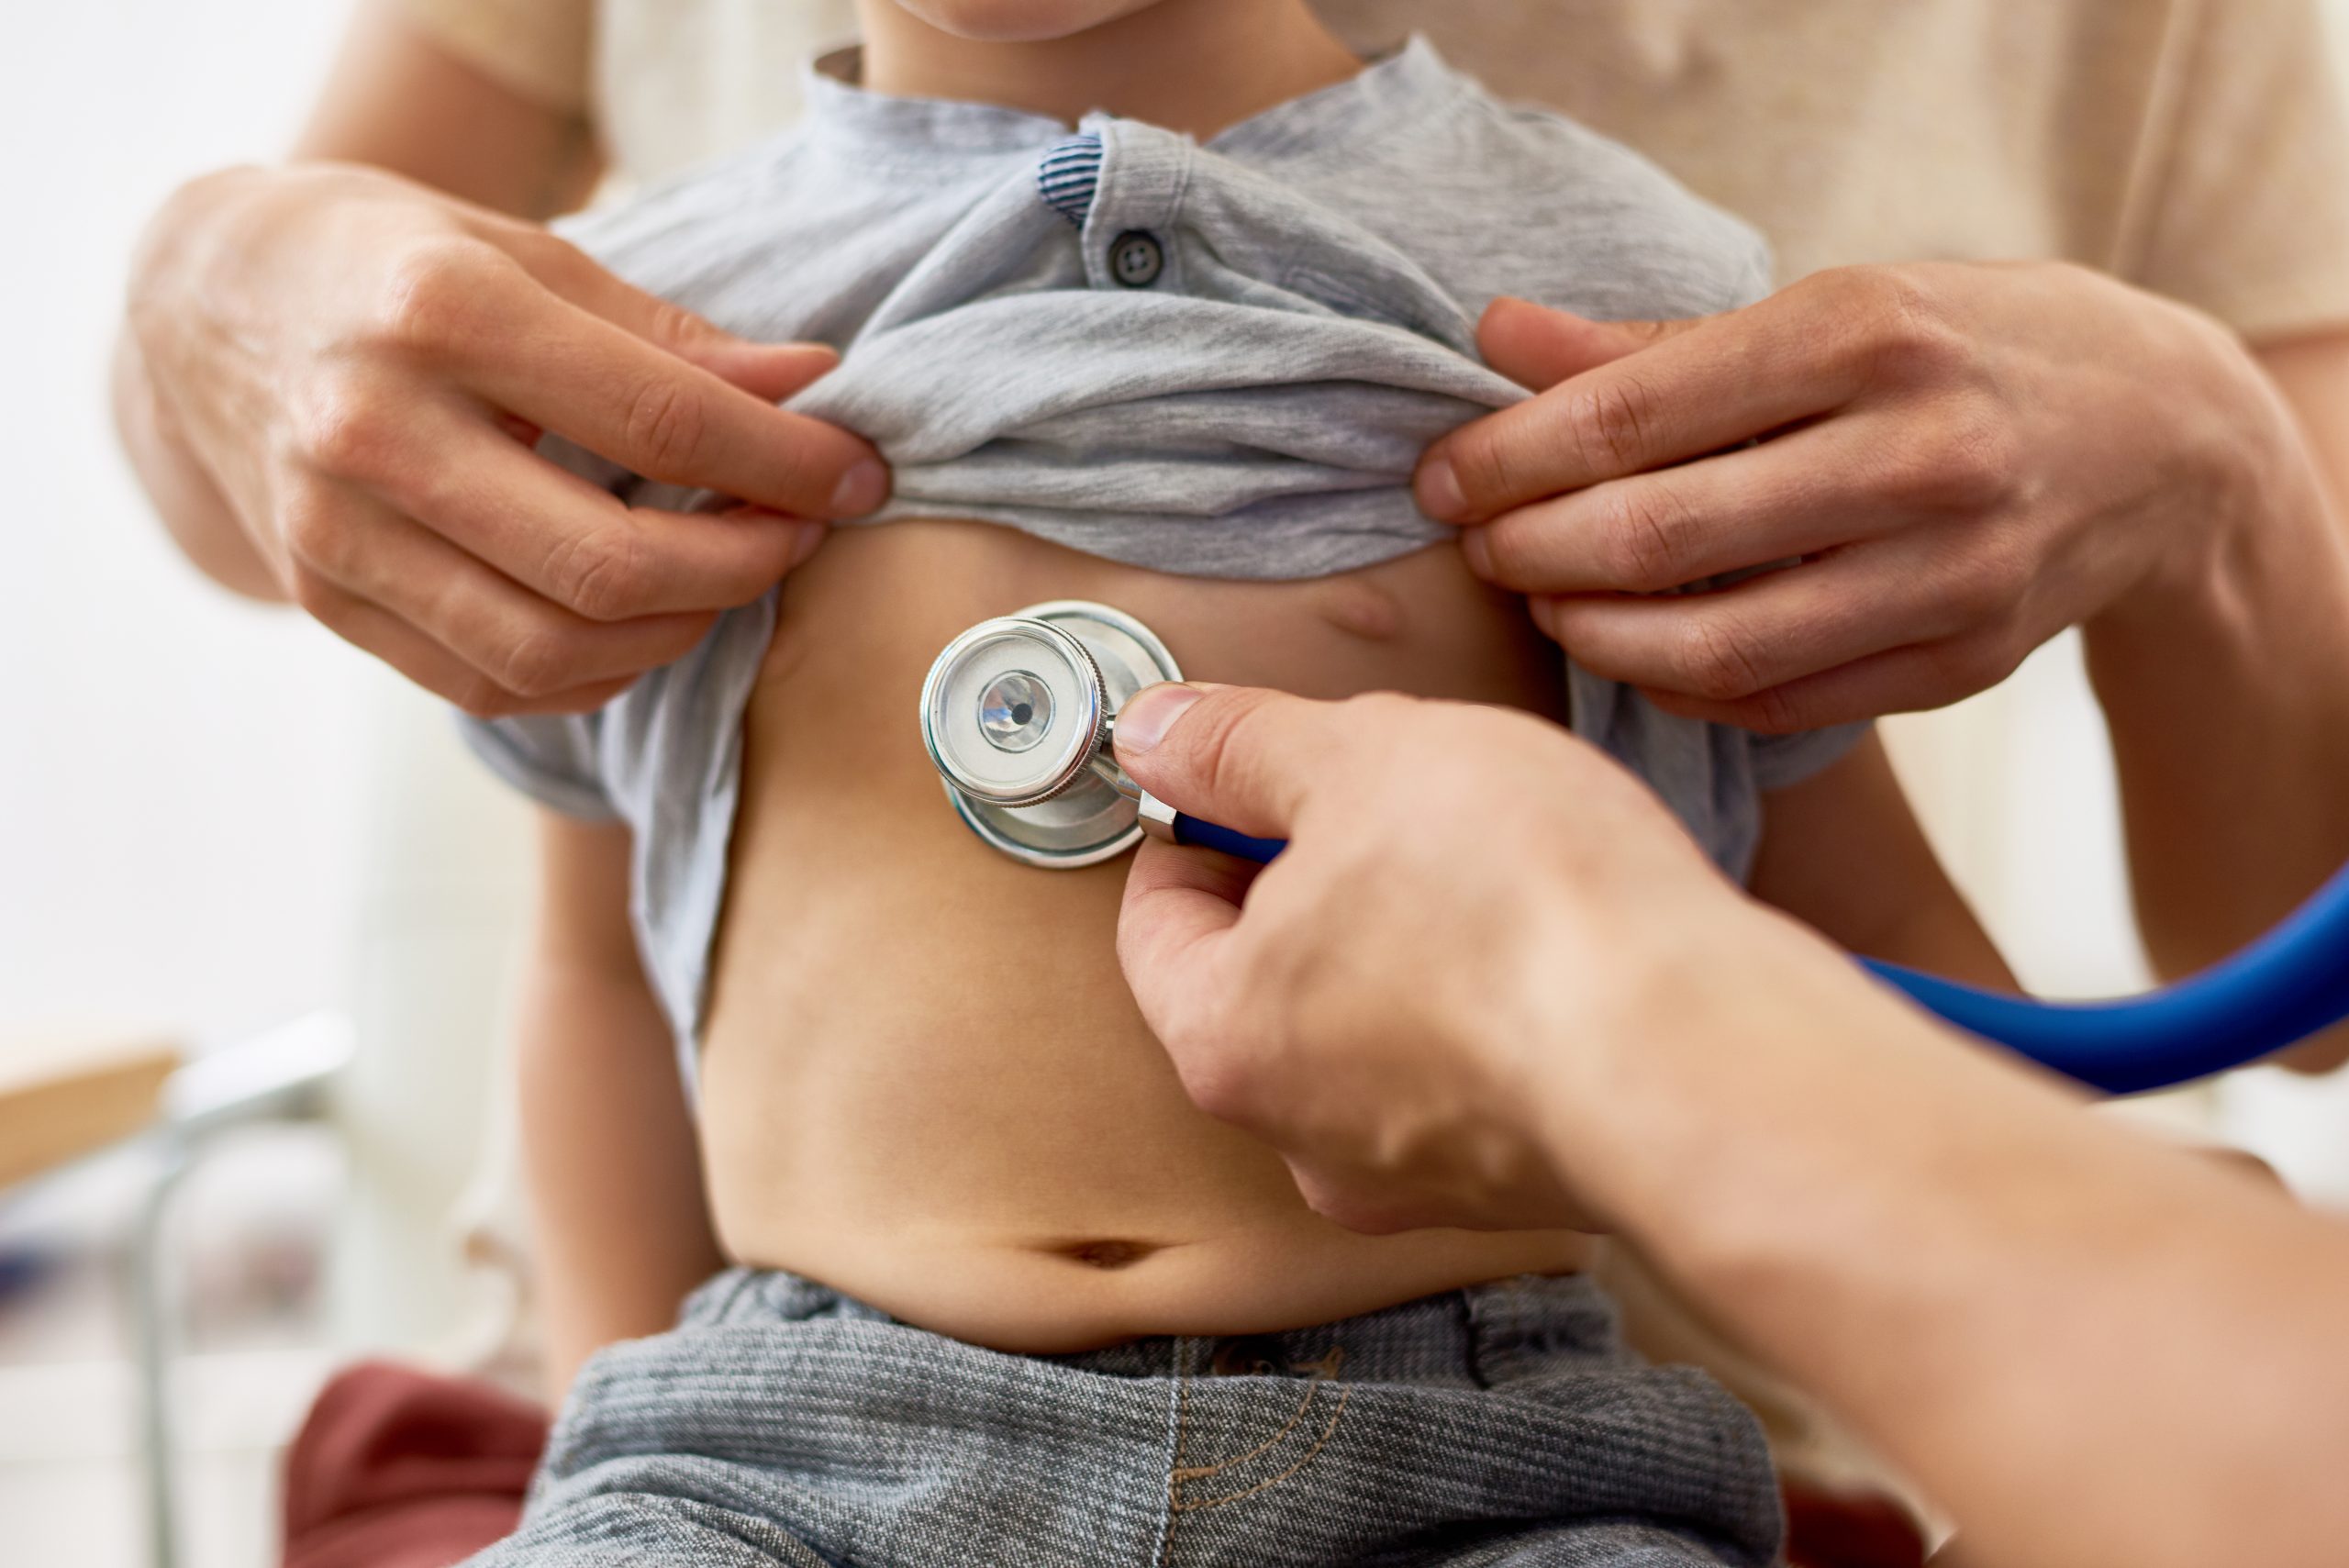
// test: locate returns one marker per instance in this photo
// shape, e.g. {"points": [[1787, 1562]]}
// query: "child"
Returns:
{"points": [[1000, 1294]]}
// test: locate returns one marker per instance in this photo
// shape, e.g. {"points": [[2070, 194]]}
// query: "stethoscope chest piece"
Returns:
{"points": [[1017, 712]]}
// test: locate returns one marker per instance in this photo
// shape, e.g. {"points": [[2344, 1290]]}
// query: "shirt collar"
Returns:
{"points": [[1396, 92]]}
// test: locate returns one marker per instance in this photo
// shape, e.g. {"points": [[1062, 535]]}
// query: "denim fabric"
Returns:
{"points": [[783, 1423]]}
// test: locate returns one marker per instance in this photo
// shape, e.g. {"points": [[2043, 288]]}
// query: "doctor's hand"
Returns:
{"points": [[1475, 912], [1970, 457], [359, 366], [1491, 982]]}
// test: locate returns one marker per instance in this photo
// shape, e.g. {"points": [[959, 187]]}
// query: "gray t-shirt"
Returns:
{"points": [[1215, 360]]}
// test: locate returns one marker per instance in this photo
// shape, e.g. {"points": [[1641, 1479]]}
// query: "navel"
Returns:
{"points": [[1107, 1253]]}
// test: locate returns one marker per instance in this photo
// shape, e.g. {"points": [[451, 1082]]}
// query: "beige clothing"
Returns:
{"points": [[2195, 147]]}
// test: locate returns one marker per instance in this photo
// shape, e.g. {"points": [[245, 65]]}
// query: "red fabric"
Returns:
{"points": [[1829, 1530], [397, 1468], [402, 1469]]}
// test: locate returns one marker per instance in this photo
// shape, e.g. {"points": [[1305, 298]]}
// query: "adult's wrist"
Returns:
{"points": [[1632, 1078], [180, 234], [164, 296], [172, 297], [2247, 514], [1782, 1120]]}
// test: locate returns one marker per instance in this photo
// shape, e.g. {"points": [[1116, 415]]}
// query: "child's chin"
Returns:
{"points": [[1019, 21]]}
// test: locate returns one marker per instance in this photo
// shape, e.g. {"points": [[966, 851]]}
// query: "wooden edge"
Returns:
{"points": [[62, 1096]]}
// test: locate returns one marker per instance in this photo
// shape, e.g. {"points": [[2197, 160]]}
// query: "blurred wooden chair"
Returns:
{"points": [[63, 1096], [67, 1098]]}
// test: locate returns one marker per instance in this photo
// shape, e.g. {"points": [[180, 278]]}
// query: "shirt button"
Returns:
{"points": [[1136, 259]]}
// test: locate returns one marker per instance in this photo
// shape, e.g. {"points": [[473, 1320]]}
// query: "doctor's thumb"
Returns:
{"points": [[1240, 756], [1147, 716]]}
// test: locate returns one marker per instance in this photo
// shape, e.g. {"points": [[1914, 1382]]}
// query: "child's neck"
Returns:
{"points": [[1190, 65]]}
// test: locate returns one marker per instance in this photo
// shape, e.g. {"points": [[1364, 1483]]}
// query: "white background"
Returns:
{"points": [[177, 768]]}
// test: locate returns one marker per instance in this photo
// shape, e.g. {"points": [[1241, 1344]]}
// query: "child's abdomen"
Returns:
{"points": [[924, 1082]]}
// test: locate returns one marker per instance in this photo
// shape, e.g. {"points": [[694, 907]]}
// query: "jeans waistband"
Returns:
{"points": [[1478, 1335]]}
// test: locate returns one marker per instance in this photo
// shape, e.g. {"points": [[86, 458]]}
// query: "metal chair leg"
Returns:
{"points": [[281, 1076], [151, 1320]]}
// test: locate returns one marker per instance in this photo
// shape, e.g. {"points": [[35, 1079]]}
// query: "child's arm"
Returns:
{"points": [[614, 1174], [1843, 852]]}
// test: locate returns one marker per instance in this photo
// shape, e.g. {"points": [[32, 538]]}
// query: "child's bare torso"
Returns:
{"points": [[924, 1080]]}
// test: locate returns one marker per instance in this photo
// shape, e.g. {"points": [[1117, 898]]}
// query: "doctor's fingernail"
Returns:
{"points": [[861, 490], [1150, 712], [1437, 489], [804, 543], [1477, 552]]}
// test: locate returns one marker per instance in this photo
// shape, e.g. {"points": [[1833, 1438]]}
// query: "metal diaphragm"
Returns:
{"points": [[1016, 715]]}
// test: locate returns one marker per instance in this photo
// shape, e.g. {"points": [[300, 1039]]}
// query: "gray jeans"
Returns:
{"points": [[782, 1422]]}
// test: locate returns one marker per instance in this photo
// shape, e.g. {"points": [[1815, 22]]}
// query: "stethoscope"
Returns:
{"points": [[1019, 714]]}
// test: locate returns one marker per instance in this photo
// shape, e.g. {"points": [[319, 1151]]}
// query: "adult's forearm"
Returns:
{"points": [[192, 509], [2089, 1348], [2225, 682]]}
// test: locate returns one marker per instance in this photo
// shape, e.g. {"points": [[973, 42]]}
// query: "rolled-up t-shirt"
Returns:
{"points": [[1218, 360]]}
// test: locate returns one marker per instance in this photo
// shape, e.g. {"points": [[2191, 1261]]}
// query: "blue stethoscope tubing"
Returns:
{"points": [[2289, 984], [1190, 829]]}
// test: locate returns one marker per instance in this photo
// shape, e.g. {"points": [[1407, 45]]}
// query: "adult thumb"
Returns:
{"points": [[1538, 348], [1235, 755]]}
